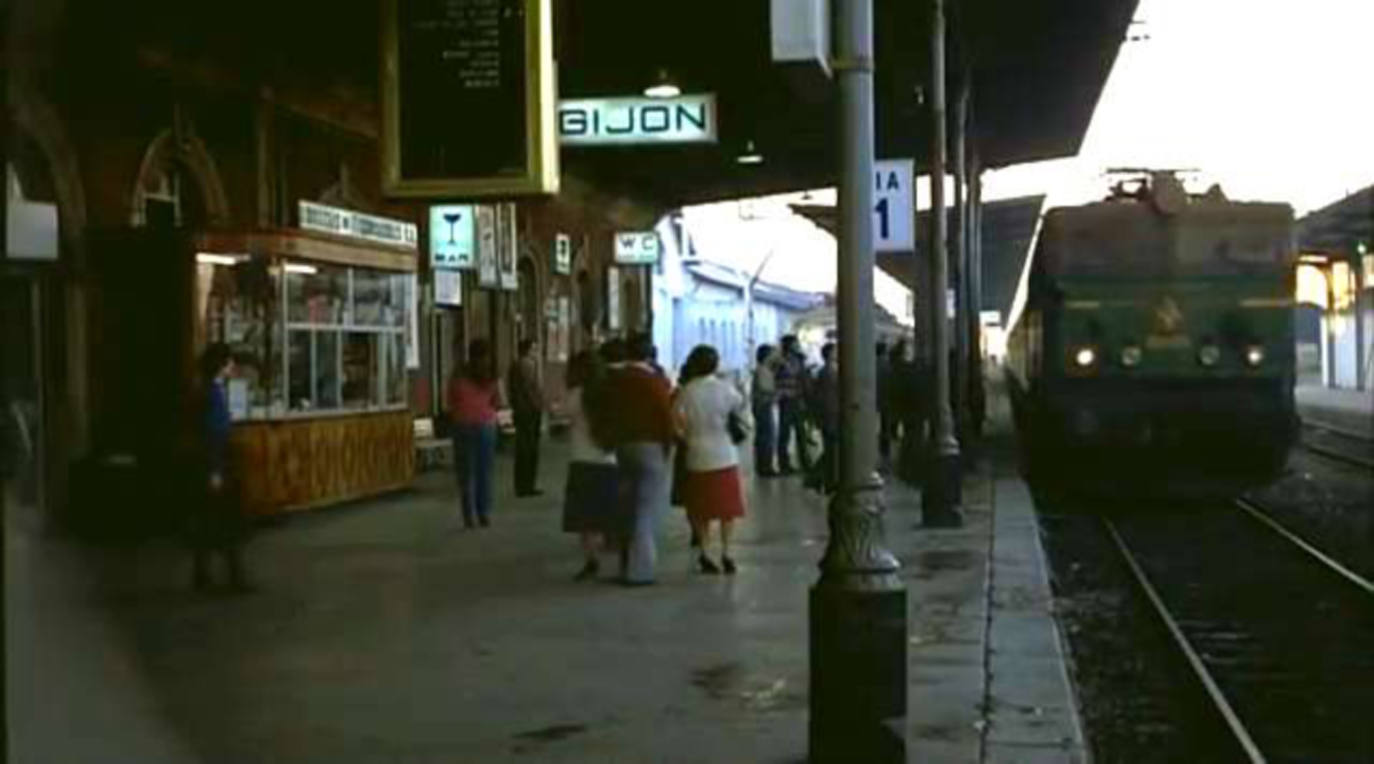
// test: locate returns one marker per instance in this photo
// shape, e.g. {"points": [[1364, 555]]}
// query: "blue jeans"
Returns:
{"points": [[765, 438], [644, 476], [474, 454]]}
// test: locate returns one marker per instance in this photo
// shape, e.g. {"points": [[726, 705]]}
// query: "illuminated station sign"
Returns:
{"points": [[629, 121]]}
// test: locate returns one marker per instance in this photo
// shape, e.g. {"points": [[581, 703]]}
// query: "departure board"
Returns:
{"points": [[465, 102]]}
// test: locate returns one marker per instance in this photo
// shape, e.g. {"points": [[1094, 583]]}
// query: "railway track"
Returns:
{"points": [[1340, 445], [1277, 634]]}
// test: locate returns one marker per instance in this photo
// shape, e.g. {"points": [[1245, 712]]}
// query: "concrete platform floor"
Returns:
{"points": [[383, 634], [1349, 410]]}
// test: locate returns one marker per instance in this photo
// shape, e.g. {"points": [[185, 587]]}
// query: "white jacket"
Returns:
{"points": [[704, 406]]}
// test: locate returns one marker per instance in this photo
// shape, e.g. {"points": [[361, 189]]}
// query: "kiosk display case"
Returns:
{"points": [[318, 327]]}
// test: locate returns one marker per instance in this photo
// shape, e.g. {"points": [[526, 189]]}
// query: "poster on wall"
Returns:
{"points": [[448, 289], [487, 276], [613, 298], [507, 244], [413, 322], [564, 328], [562, 254]]}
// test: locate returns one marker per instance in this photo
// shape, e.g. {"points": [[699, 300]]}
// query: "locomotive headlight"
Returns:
{"points": [[1085, 357], [1254, 355], [1130, 356], [1208, 355]]}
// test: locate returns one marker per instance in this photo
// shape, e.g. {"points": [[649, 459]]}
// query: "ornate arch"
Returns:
{"points": [[189, 153], [38, 121]]}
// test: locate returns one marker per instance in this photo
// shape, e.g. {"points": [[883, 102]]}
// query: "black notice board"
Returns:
{"points": [[465, 81]]}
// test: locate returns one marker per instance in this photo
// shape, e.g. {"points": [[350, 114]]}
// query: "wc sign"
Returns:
{"points": [[893, 205], [636, 248]]}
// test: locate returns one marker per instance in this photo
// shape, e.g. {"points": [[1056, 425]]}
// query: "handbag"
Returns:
{"points": [[738, 432]]}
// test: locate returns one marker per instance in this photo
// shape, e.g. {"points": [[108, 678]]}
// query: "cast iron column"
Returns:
{"points": [[977, 394], [959, 254], [941, 492], [858, 607], [4, 515]]}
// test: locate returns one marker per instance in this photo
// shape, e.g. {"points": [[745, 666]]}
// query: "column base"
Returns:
{"points": [[942, 493], [858, 673]]}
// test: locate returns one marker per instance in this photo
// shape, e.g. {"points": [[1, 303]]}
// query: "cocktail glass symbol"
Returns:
{"points": [[452, 218]]}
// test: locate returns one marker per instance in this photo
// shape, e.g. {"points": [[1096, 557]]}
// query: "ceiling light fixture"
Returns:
{"points": [[211, 258], [750, 155], [308, 270], [663, 87]]}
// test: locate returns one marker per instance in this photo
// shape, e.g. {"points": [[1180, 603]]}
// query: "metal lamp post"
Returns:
{"points": [[941, 491], [858, 607]]}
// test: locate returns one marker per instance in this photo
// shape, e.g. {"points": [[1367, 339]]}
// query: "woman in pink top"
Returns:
{"points": [[473, 397]]}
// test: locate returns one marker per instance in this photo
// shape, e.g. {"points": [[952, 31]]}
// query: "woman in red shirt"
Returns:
{"points": [[473, 398], [643, 435]]}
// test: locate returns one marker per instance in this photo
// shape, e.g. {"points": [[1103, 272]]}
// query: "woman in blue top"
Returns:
{"points": [[217, 524]]}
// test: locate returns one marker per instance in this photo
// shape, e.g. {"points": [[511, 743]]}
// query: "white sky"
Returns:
{"points": [[1273, 99]]}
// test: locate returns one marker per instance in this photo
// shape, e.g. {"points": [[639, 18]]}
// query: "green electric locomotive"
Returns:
{"points": [[1155, 347]]}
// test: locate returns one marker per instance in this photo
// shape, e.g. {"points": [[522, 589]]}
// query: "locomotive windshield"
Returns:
{"points": [[1113, 240], [1233, 244]]}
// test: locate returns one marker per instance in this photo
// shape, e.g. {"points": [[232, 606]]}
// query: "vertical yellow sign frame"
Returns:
{"points": [[540, 175]]}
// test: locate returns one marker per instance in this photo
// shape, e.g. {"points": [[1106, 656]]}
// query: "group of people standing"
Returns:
{"points": [[626, 420], [789, 400]]}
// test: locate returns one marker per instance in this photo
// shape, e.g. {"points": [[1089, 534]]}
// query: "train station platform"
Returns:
{"points": [[1348, 410], [383, 634]]}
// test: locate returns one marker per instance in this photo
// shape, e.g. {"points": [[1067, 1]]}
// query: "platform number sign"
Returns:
{"points": [[893, 208]]}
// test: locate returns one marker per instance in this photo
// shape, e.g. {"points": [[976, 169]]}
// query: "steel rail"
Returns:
{"points": [[1341, 431], [1338, 456], [1233, 722], [1359, 439], [1254, 511]]}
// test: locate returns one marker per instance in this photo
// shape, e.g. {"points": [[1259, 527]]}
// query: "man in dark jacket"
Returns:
{"points": [[825, 403], [790, 380], [887, 424], [217, 525], [527, 404]]}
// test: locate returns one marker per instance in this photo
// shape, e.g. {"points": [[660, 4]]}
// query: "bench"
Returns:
{"points": [[431, 452]]}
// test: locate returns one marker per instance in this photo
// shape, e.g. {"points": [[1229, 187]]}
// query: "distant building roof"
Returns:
{"points": [[1340, 226], [764, 291]]}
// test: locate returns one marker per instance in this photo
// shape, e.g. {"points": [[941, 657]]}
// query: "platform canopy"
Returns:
{"points": [[1008, 230], [1038, 68]]}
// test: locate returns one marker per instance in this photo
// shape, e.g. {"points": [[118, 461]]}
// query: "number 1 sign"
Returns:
{"points": [[893, 207]]}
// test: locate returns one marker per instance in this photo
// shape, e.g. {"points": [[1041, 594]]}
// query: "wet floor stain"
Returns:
{"points": [[730, 682], [552, 733], [719, 681], [943, 733], [928, 564]]}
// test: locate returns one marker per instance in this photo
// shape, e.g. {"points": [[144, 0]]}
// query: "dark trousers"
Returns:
{"points": [[792, 421], [829, 467], [218, 529], [765, 437], [527, 432], [888, 430], [233, 564], [474, 452]]}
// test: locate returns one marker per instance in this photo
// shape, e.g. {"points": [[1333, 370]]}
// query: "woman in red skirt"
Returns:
{"points": [[714, 417]]}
